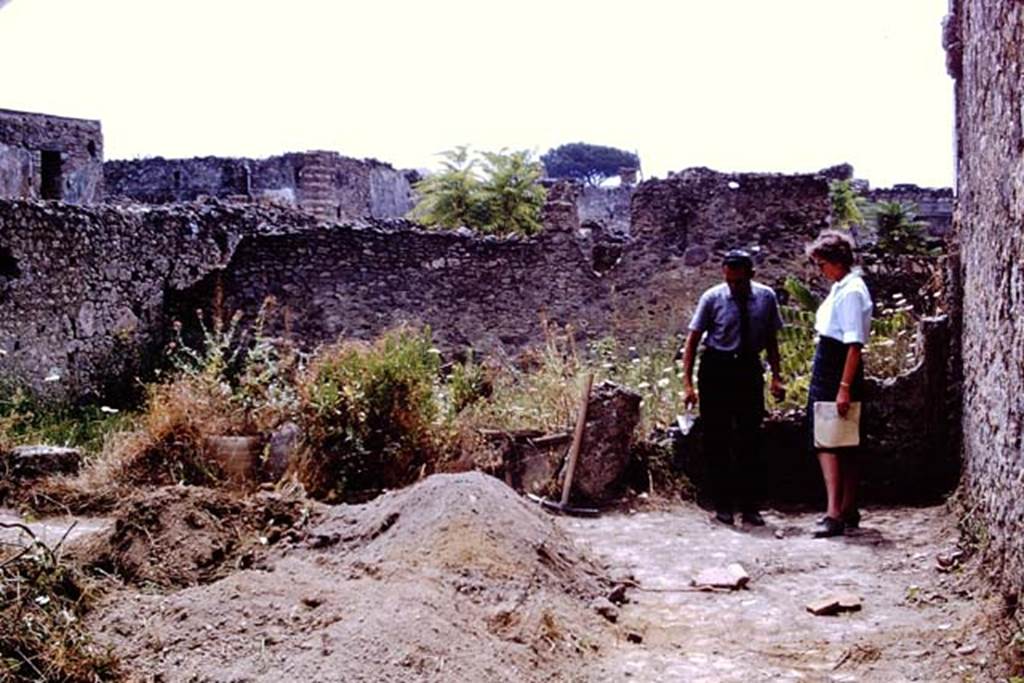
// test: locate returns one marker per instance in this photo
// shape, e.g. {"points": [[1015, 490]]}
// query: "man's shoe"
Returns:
{"points": [[724, 517], [829, 526], [852, 519], [753, 518]]}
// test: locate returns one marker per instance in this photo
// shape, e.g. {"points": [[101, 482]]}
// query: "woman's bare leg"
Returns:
{"points": [[833, 483], [849, 477]]}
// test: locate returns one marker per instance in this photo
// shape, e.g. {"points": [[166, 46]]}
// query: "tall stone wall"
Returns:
{"points": [[326, 184], [50, 157], [984, 40], [84, 293]]}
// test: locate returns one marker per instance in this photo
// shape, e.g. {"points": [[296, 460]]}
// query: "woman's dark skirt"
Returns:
{"points": [[827, 373]]}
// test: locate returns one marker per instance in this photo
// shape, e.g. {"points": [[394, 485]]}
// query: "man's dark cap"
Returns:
{"points": [[738, 257]]}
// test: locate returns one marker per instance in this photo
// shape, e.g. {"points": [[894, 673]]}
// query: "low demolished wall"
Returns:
{"points": [[88, 295], [84, 292]]}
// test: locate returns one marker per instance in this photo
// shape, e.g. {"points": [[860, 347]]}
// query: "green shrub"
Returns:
{"points": [[26, 420], [368, 413], [467, 384]]}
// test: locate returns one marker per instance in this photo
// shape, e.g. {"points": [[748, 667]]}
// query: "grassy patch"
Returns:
{"points": [[42, 598]]}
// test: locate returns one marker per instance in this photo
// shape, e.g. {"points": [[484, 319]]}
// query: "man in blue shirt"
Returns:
{"points": [[737, 319]]}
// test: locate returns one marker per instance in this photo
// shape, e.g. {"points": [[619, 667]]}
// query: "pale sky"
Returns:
{"points": [[735, 85]]}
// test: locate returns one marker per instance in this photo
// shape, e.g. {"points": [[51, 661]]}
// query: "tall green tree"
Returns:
{"points": [[493, 192], [511, 192], [451, 198], [592, 164]]}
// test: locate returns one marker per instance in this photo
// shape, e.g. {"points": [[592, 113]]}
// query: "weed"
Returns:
{"points": [[42, 598], [369, 414]]}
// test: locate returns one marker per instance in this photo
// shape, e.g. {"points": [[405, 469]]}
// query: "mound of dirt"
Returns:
{"points": [[185, 535], [455, 578]]}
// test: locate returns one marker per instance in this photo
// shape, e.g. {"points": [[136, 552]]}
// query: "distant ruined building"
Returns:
{"points": [[50, 157], [325, 184]]}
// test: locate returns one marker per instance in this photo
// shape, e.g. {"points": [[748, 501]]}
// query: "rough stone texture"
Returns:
{"points": [[985, 47], [25, 139], [612, 416], [84, 292], [609, 206], [325, 183]]}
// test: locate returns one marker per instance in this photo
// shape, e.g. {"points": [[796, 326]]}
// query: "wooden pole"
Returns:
{"points": [[577, 438]]}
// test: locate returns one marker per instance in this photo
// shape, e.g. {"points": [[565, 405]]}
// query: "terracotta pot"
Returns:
{"points": [[238, 457]]}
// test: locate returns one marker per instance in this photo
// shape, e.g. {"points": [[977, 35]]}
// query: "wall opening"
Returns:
{"points": [[8, 264], [52, 180]]}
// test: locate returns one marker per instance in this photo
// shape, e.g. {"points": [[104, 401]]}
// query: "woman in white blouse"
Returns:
{"points": [[843, 322]]}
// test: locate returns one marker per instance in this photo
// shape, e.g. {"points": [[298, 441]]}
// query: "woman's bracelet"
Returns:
{"points": [[845, 384]]}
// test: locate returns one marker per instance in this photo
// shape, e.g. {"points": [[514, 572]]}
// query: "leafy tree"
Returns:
{"points": [[592, 164], [848, 206], [898, 229], [511, 193], [493, 192], [451, 197]]}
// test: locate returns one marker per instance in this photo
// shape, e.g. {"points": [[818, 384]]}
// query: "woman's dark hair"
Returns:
{"points": [[832, 246]]}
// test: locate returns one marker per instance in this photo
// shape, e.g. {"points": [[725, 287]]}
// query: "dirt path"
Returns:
{"points": [[917, 624]]}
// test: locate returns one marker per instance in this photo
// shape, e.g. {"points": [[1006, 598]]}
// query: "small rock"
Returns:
{"points": [[606, 609], [618, 594], [841, 602], [966, 650], [634, 637], [733, 577], [36, 461]]}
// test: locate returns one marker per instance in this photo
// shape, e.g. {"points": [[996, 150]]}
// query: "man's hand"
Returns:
{"points": [[843, 400], [778, 388], [691, 399]]}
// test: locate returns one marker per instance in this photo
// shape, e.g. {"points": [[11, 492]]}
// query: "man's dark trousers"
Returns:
{"points": [[731, 390]]}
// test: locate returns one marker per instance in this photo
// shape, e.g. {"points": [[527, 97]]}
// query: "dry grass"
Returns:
{"points": [[42, 598]]}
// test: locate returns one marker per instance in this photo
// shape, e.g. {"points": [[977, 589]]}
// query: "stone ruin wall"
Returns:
{"points": [[329, 185], [84, 293], [50, 157], [984, 40]]}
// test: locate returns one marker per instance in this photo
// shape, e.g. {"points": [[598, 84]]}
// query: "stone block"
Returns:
{"points": [[25, 462]]}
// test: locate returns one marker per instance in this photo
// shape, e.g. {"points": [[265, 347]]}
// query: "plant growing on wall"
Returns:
{"points": [[592, 164], [848, 206], [493, 192], [898, 229]]}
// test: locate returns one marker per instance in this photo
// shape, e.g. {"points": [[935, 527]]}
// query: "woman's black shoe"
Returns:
{"points": [[852, 519], [829, 526]]}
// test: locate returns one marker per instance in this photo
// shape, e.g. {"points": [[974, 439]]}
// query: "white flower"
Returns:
{"points": [[42, 600], [644, 385], [109, 410], [663, 382]]}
